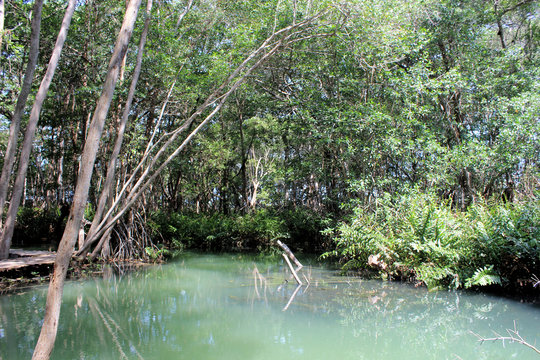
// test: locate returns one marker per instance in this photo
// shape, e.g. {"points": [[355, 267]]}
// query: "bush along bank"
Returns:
{"points": [[416, 237], [256, 231]]}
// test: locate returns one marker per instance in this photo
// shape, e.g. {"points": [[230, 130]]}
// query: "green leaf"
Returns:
{"points": [[483, 277]]}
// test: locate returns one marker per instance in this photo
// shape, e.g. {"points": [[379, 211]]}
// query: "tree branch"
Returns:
{"points": [[513, 336]]}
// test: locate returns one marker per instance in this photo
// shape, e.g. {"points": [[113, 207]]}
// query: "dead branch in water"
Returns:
{"points": [[293, 272], [513, 336], [290, 254]]}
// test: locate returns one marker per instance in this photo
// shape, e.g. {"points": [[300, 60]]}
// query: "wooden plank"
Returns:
{"points": [[24, 253], [28, 258]]}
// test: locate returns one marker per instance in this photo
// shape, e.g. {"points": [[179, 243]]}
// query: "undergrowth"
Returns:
{"points": [[420, 238], [255, 231]]}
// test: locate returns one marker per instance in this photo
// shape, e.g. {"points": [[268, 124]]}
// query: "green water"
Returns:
{"points": [[218, 307]]}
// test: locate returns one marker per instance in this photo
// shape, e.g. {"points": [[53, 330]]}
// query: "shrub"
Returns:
{"points": [[305, 228], [255, 231], [506, 236], [419, 235]]}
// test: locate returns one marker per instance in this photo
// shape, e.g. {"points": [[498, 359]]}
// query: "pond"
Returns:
{"points": [[234, 307]]}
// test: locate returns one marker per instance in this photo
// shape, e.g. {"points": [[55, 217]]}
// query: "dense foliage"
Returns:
{"points": [[417, 237], [257, 231]]}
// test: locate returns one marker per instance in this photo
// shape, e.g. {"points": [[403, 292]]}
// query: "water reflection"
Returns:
{"points": [[230, 307]]}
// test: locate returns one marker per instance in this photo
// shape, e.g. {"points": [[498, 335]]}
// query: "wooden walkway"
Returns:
{"points": [[22, 258]]}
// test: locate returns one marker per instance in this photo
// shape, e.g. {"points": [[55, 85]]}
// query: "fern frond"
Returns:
{"points": [[483, 277]]}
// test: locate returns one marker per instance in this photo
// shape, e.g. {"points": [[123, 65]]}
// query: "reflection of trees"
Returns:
{"points": [[219, 308], [17, 310], [422, 324], [383, 316]]}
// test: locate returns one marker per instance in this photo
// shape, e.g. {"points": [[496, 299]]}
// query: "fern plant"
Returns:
{"points": [[483, 277]]}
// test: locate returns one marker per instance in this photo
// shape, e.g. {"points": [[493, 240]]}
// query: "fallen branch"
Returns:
{"points": [[298, 281], [513, 336], [290, 254], [536, 280]]}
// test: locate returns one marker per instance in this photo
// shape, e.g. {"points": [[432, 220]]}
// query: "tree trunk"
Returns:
{"points": [[111, 169], [9, 159], [500, 27], [7, 234], [243, 158], [124, 59], [2, 22], [49, 329], [60, 193], [182, 14]]}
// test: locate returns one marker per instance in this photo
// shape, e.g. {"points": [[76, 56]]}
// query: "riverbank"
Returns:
{"points": [[20, 278]]}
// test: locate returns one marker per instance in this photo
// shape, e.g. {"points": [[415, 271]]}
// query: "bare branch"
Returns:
{"points": [[513, 336]]}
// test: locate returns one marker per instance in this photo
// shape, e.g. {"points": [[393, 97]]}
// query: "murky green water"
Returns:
{"points": [[219, 307]]}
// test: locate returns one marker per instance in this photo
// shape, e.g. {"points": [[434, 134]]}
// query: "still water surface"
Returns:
{"points": [[233, 307]]}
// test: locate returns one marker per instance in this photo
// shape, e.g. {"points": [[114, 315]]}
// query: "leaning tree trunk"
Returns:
{"points": [[109, 180], [49, 329], [14, 128], [7, 233]]}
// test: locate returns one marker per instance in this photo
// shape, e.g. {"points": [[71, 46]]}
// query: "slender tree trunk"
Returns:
{"points": [[182, 14], [9, 159], [500, 27], [49, 329], [60, 177], [124, 59], [5, 239], [111, 169], [2, 23], [243, 165]]}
